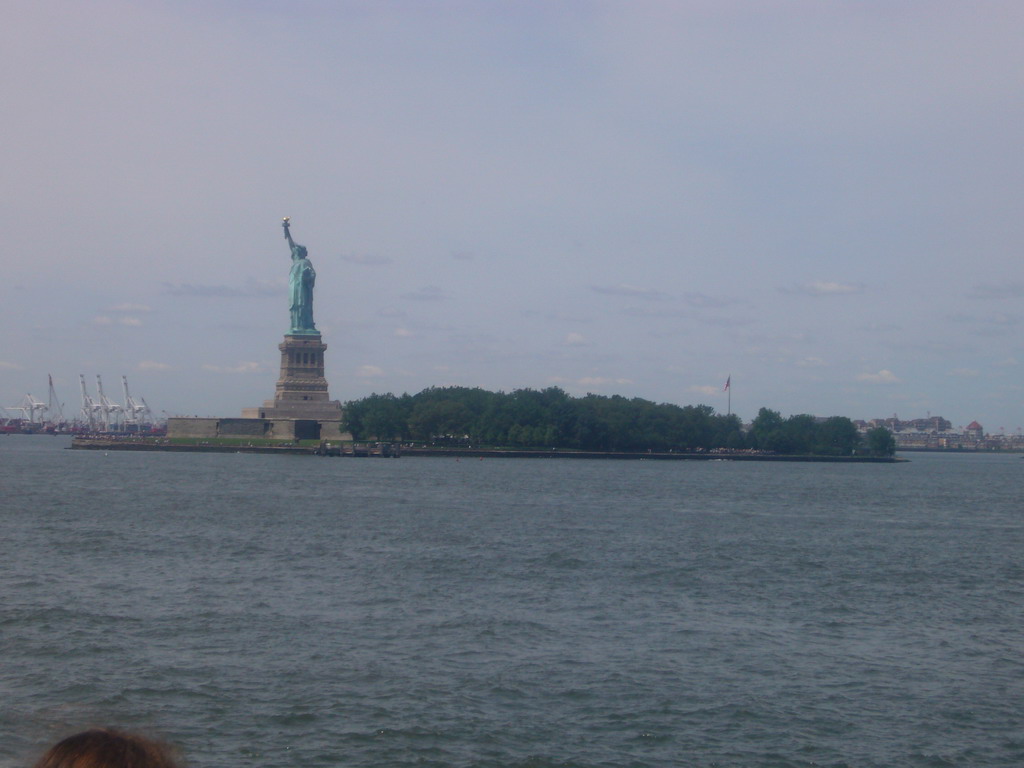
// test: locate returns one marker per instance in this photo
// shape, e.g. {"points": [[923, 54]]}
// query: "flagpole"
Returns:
{"points": [[728, 388]]}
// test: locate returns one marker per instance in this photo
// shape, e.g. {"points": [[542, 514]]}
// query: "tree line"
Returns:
{"points": [[550, 418]]}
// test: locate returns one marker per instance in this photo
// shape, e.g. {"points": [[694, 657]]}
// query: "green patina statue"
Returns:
{"points": [[300, 286]]}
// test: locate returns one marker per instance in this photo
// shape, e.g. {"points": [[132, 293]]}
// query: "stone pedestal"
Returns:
{"points": [[301, 391]]}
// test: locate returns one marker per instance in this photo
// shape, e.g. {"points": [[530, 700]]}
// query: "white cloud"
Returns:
{"points": [[9, 366], [130, 308], [105, 320], [427, 293], [825, 288], [248, 367], [811, 362], [574, 340], [403, 333], [704, 389], [630, 291], [601, 381], [703, 301], [251, 288], [964, 372], [1011, 290], [152, 365], [369, 371], [366, 259], [882, 377]]}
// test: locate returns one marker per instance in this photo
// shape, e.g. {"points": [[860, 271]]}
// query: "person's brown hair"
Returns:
{"points": [[107, 748]]}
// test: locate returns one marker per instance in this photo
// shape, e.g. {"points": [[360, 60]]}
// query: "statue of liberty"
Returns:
{"points": [[300, 286]]}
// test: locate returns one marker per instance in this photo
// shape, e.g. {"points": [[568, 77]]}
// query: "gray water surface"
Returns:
{"points": [[279, 611]]}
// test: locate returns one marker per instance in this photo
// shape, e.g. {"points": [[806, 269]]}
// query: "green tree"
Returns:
{"points": [[550, 418], [766, 431], [383, 417], [881, 442], [445, 419], [837, 436], [726, 431], [800, 434]]}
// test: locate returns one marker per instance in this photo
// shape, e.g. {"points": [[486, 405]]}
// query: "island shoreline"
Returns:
{"points": [[389, 451]]}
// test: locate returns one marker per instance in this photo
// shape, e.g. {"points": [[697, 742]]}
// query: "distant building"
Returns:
{"points": [[929, 425], [935, 433]]}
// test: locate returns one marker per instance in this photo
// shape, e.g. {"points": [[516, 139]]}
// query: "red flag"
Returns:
{"points": [[727, 382]]}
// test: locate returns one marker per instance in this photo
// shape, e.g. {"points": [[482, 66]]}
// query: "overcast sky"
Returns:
{"points": [[821, 199]]}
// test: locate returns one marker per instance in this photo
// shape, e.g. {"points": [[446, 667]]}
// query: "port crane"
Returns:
{"points": [[100, 413], [29, 407], [54, 406], [107, 406], [136, 412], [90, 409]]}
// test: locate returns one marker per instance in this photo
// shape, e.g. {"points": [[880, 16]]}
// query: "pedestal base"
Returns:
{"points": [[301, 391]]}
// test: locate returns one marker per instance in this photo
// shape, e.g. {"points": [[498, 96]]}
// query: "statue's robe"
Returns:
{"points": [[301, 280]]}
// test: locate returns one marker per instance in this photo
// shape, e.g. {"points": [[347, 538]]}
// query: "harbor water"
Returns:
{"points": [[276, 611]]}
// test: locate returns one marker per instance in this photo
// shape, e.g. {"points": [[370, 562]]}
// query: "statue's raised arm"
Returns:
{"points": [[286, 222]]}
